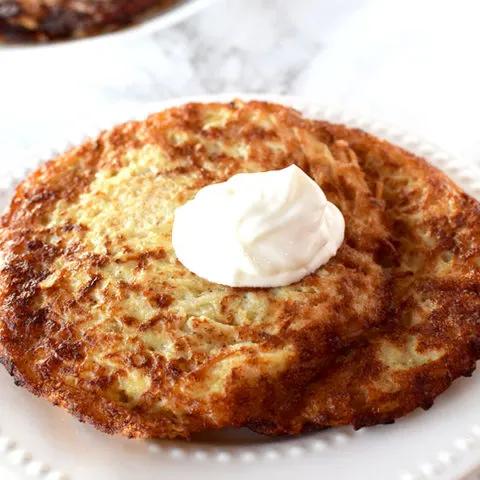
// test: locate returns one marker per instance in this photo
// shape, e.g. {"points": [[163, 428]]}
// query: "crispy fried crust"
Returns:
{"points": [[42, 20], [98, 316], [435, 336]]}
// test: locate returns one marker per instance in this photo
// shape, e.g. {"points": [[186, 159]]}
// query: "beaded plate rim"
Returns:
{"points": [[467, 176]]}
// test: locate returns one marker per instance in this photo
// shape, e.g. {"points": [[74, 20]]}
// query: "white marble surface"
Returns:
{"points": [[410, 62]]}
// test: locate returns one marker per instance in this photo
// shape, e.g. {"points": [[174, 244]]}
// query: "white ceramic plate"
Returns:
{"points": [[39, 440], [154, 22]]}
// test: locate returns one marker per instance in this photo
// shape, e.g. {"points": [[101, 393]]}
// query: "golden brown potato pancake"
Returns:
{"points": [[97, 315]]}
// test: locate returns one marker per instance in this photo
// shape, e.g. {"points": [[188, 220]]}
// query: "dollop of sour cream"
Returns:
{"points": [[265, 229]]}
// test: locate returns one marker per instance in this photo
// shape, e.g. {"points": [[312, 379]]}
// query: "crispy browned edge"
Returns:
{"points": [[421, 385], [32, 194], [100, 412], [63, 21]]}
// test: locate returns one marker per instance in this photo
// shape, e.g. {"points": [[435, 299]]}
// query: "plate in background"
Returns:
{"points": [[149, 23]]}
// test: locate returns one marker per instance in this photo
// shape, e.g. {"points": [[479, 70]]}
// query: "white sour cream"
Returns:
{"points": [[265, 229]]}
